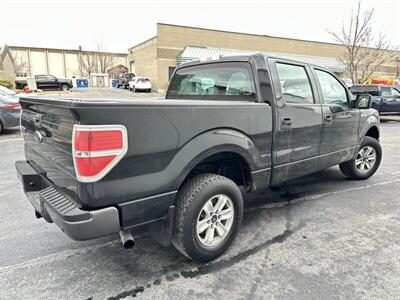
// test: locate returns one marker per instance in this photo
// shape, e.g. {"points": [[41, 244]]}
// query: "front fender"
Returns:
{"points": [[368, 119]]}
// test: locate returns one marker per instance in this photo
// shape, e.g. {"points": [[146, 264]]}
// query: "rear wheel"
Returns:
{"points": [[208, 214], [366, 162], [1, 128]]}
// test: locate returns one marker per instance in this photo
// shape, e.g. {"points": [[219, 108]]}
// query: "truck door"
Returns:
{"points": [[390, 100], [41, 82], [298, 121], [341, 122]]}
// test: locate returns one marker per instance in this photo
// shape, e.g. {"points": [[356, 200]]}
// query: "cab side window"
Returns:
{"points": [[333, 93], [295, 84], [386, 91], [395, 93]]}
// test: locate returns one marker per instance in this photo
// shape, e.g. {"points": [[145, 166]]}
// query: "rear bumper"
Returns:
{"points": [[55, 206]]}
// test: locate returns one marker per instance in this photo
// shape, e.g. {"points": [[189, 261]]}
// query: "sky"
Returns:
{"points": [[121, 24]]}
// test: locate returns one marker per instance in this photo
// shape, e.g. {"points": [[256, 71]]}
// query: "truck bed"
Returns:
{"points": [[165, 138]]}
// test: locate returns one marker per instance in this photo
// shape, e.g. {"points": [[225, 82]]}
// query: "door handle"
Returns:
{"points": [[286, 122]]}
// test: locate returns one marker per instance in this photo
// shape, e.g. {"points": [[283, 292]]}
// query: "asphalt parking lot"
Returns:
{"points": [[320, 236]]}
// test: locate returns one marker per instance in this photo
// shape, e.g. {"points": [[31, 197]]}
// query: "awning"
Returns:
{"points": [[191, 53]]}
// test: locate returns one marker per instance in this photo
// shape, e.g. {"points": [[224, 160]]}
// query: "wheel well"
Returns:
{"points": [[228, 164], [373, 132]]}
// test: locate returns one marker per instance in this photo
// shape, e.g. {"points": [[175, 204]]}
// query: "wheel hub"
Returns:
{"points": [[366, 159], [215, 220]]}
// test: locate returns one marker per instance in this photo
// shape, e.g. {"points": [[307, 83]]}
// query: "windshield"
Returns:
{"points": [[215, 81]]}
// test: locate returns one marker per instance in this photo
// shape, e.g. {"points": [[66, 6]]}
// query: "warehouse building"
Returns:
{"points": [[6, 64], [158, 56], [64, 63]]}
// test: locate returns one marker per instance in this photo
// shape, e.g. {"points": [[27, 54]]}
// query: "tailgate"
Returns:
{"points": [[46, 127]]}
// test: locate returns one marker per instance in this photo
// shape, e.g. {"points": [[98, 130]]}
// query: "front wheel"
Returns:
{"points": [[65, 87], [208, 214], [366, 162]]}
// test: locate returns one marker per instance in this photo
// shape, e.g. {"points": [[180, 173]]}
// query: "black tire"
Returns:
{"points": [[133, 89], [149, 90], [65, 87], [190, 201], [1, 128], [349, 168]]}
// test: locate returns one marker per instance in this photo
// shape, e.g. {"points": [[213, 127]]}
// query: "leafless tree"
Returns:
{"points": [[98, 61], [87, 63], [365, 51], [105, 59], [20, 62]]}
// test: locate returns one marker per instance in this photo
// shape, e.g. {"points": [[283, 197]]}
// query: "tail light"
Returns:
{"points": [[96, 149], [12, 106]]}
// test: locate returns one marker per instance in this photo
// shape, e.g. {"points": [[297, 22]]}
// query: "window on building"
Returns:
{"points": [[333, 92], [215, 81], [295, 84]]}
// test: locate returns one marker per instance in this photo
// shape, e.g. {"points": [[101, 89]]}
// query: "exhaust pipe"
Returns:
{"points": [[127, 239]]}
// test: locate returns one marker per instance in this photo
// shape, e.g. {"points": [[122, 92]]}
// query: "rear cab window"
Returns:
{"points": [[214, 81]]}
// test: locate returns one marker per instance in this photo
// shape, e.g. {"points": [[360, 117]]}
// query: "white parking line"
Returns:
{"points": [[11, 140], [53, 257]]}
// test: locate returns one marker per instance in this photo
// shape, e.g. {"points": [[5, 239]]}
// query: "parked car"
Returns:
{"points": [[9, 108], [47, 82], [124, 78], [183, 167], [385, 99], [140, 84]]}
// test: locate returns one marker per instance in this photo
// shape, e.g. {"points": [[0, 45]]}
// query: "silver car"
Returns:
{"points": [[9, 109]]}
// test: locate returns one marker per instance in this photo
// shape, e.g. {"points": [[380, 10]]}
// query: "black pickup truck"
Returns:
{"points": [[124, 78], [47, 82], [183, 167], [385, 99]]}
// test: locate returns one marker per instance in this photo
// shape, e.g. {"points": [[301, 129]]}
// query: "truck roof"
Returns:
{"points": [[238, 58]]}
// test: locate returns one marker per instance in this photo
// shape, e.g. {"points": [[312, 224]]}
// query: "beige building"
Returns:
{"points": [[6, 65], [157, 57], [64, 63]]}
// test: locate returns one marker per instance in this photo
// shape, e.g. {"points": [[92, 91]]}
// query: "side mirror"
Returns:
{"points": [[363, 101]]}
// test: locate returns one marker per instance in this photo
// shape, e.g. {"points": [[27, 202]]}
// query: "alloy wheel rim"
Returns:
{"points": [[215, 220], [365, 159]]}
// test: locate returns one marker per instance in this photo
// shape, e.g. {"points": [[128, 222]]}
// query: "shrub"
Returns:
{"points": [[6, 84]]}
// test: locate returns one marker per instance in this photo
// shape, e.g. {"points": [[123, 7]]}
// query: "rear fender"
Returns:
{"points": [[217, 141]]}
